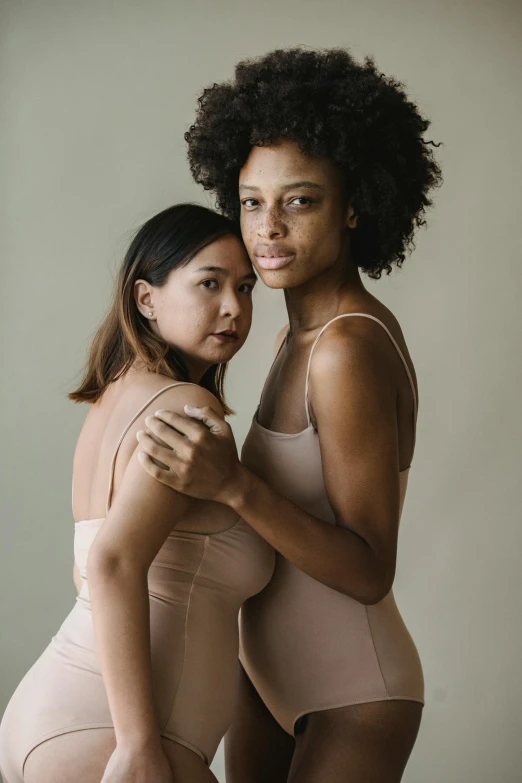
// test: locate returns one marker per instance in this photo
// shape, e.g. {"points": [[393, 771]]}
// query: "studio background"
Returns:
{"points": [[94, 99]]}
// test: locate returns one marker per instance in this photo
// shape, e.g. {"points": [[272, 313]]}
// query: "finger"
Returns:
{"points": [[163, 454], [170, 437], [181, 424], [164, 475], [155, 437], [208, 417]]}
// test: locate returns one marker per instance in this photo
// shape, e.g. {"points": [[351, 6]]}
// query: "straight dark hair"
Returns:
{"points": [[166, 241]]}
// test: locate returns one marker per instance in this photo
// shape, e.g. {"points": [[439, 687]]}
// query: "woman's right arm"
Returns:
{"points": [[143, 514], [117, 567]]}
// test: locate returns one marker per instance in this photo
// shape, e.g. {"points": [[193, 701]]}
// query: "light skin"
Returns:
{"points": [[293, 207], [212, 293]]}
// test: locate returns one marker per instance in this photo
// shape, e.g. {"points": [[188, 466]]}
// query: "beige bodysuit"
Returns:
{"points": [[305, 646], [197, 583]]}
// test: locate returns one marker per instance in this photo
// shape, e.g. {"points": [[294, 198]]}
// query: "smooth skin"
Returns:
{"points": [[293, 206], [210, 294]]}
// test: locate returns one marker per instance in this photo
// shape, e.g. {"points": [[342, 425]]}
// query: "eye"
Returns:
{"points": [[250, 203], [303, 199], [247, 288], [211, 284]]}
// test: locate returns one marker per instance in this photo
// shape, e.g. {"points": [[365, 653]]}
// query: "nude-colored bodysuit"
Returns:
{"points": [[197, 583], [305, 646]]}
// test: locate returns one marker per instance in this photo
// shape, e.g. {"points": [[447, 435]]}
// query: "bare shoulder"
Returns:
{"points": [[358, 351], [156, 393], [176, 398], [349, 344]]}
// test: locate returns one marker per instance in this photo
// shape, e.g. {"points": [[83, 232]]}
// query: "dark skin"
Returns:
{"points": [[362, 407]]}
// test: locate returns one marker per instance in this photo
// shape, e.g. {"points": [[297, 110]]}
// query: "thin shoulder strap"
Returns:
{"points": [[394, 341], [283, 341], [127, 428]]}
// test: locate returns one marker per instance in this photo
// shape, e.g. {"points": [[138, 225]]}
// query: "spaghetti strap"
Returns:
{"points": [[394, 341], [127, 428], [283, 342]]}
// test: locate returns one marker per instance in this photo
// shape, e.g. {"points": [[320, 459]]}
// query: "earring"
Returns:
{"points": [[150, 315]]}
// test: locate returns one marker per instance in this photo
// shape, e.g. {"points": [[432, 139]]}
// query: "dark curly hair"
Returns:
{"points": [[331, 106]]}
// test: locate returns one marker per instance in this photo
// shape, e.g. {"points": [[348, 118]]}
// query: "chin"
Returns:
{"points": [[223, 355], [282, 278]]}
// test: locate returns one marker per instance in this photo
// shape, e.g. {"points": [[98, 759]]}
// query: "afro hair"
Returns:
{"points": [[330, 106]]}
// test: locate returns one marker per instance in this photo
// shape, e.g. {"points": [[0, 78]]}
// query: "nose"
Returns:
{"points": [[271, 224], [231, 305]]}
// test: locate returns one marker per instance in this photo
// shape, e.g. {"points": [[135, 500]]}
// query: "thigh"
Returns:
{"points": [[365, 743], [257, 749], [187, 765], [81, 756]]}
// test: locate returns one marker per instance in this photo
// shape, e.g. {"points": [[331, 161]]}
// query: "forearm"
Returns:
{"points": [[333, 555], [120, 608]]}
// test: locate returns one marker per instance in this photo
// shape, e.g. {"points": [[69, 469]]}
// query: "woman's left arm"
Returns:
{"points": [[355, 409]]}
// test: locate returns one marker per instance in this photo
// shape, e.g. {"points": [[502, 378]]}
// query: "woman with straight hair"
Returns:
{"points": [[139, 683], [324, 161]]}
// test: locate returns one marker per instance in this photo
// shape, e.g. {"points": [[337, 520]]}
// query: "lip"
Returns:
{"points": [[273, 261], [223, 337]]}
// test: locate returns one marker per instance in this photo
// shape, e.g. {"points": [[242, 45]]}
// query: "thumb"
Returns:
{"points": [[207, 416]]}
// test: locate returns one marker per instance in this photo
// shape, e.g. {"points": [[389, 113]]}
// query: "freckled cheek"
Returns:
{"points": [[248, 232], [308, 234]]}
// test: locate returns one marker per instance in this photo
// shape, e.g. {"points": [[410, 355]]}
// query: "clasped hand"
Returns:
{"points": [[197, 455]]}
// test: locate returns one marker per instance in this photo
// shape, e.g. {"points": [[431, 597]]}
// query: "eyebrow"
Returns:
{"points": [[289, 186], [250, 276]]}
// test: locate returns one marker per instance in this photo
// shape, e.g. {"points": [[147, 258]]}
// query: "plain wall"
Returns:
{"points": [[94, 100]]}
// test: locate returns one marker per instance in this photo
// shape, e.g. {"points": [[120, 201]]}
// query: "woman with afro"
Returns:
{"points": [[324, 162]]}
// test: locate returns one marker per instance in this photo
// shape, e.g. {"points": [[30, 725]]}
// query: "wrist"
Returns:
{"points": [[138, 744], [238, 488]]}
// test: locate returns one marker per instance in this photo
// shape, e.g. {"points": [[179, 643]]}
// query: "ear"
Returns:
{"points": [[351, 217], [144, 297]]}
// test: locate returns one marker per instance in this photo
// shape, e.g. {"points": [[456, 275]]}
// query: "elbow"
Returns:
{"points": [[377, 587], [372, 578], [374, 596], [370, 592], [100, 566], [104, 566], [373, 585]]}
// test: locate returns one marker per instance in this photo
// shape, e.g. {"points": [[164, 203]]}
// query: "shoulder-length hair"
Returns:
{"points": [[166, 241]]}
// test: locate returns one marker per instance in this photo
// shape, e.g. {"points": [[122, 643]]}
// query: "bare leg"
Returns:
{"points": [[367, 743], [257, 749], [81, 757]]}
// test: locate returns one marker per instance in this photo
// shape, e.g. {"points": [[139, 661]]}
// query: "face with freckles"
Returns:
{"points": [[204, 309], [294, 217]]}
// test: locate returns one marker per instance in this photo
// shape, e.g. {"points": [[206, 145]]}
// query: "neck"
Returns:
{"points": [[196, 370], [317, 301]]}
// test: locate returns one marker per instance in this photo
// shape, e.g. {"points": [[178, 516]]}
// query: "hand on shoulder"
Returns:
{"points": [[193, 395]]}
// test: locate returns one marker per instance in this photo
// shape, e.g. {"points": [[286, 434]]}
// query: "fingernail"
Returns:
{"points": [[158, 413], [139, 434], [190, 408]]}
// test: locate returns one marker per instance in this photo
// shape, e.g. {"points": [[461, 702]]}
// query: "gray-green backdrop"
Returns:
{"points": [[94, 99]]}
